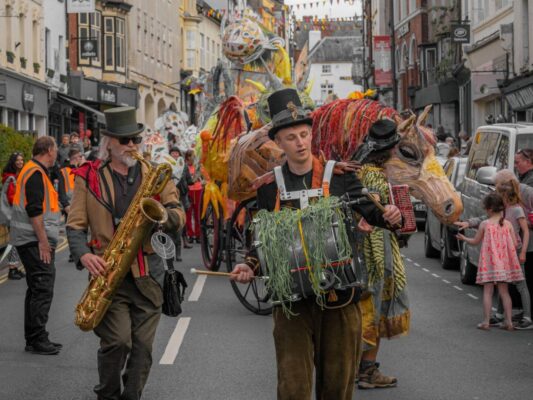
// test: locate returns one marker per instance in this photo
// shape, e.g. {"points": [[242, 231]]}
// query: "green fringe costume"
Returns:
{"points": [[386, 311]]}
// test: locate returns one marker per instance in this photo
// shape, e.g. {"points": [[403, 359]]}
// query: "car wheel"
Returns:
{"points": [[467, 270], [446, 260], [429, 250]]}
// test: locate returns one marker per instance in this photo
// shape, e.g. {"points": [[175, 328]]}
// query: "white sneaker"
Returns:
{"points": [[524, 324]]}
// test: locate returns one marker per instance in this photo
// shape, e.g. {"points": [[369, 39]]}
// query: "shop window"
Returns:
{"points": [[13, 119], [191, 51]]}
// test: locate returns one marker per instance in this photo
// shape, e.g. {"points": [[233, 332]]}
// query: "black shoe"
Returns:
{"points": [[15, 274], [179, 259], [197, 240], [29, 347], [70, 258], [43, 348]]}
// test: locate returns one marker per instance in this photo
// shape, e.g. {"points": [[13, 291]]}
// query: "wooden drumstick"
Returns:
{"points": [[212, 273]]}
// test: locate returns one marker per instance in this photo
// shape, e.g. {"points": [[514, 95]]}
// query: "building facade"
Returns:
{"points": [[489, 58], [23, 88], [55, 63], [154, 35], [331, 61]]}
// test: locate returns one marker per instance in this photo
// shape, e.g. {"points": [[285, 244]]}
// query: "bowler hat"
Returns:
{"points": [[121, 122], [286, 110], [381, 136]]}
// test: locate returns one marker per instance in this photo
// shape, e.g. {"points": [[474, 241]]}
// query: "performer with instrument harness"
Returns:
{"points": [[318, 323], [114, 197]]}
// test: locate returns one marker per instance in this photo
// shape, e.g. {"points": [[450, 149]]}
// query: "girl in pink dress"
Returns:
{"points": [[498, 262]]}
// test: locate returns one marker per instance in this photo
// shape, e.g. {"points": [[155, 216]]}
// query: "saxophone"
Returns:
{"points": [[140, 218]]}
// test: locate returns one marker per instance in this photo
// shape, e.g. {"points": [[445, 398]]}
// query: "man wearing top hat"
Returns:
{"points": [[325, 339], [103, 192]]}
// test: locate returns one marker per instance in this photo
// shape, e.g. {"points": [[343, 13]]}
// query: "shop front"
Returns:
{"points": [[23, 103], [89, 98], [519, 96]]}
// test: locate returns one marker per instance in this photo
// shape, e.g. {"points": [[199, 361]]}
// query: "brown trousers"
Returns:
{"points": [[328, 340], [127, 331]]}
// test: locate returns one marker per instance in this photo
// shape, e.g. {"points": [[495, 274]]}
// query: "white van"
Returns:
{"points": [[493, 148]]}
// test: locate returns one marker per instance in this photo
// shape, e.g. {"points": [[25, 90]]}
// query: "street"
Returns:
{"points": [[218, 350]]}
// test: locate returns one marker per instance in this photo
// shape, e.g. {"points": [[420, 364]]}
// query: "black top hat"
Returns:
{"points": [[381, 136], [286, 110], [121, 122]]}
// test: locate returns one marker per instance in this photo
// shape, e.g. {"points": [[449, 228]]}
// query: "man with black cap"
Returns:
{"points": [[103, 192], [386, 311], [325, 339]]}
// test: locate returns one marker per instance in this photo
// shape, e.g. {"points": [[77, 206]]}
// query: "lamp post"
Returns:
{"points": [[393, 56]]}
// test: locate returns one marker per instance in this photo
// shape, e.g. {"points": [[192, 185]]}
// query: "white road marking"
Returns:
{"points": [[458, 288], [425, 269], [445, 281], [471, 295], [417, 264], [197, 288], [408, 259], [435, 275], [174, 343]]}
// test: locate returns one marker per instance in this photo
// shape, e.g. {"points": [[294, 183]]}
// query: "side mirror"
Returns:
{"points": [[485, 175]]}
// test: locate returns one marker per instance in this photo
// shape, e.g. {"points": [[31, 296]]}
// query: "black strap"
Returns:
{"points": [[111, 206]]}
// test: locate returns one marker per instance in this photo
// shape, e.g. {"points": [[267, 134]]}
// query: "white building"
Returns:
{"points": [[331, 60], [23, 90], [55, 32], [489, 56]]}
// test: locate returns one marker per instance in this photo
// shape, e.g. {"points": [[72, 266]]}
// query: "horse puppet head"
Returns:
{"points": [[414, 163]]}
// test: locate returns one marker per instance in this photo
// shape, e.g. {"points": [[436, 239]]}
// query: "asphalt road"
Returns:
{"points": [[219, 350]]}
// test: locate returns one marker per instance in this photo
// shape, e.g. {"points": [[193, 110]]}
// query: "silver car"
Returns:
{"points": [[493, 148], [439, 239]]}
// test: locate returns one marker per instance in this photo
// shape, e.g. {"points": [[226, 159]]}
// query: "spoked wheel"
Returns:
{"points": [[254, 295], [211, 238]]}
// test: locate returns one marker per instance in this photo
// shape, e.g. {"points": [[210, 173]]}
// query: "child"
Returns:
{"points": [[514, 213], [498, 263]]}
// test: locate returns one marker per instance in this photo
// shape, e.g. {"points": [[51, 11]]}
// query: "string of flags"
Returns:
{"points": [[310, 4]]}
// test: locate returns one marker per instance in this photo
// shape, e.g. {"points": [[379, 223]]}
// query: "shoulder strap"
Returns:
{"points": [[326, 178], [280, 181]]}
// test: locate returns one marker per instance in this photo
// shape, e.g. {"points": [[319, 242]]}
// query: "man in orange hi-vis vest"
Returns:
{"points": [[35, 232]]}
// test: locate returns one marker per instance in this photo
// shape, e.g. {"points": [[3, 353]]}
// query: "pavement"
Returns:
{"points": [[218, 350]]}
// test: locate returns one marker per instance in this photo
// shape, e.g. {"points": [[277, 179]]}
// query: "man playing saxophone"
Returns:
{"points": [[103, 192]]}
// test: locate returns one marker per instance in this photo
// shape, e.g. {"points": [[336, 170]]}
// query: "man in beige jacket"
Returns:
{"points": [[103, 192]]}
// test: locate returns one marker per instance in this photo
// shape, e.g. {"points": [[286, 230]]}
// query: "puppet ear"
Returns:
{"points": [[423, 116], [407, 124]]}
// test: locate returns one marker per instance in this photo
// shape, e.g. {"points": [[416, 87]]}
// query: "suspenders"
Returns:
{"points": [[305, 194]]}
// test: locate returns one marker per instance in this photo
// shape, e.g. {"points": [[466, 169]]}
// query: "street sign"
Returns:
{"points": [[89, 48], [80, 6], [461, 33], [107, 93]]}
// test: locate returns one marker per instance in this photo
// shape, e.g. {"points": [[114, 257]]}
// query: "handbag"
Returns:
{"points": [[174, 286], [6, 210]]}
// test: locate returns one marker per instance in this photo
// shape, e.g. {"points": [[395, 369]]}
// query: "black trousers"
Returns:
{"points": [[529, 271], [126, 335], [40, 278]]}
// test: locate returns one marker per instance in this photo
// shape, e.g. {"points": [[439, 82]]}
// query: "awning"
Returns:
{"points": [[437, 94], [99, 115]]}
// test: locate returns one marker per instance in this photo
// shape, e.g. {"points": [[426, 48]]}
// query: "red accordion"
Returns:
{"points": [[399, 195]]}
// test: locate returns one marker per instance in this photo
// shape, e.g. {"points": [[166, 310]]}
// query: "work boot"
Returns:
{"points": [[372, 378]]}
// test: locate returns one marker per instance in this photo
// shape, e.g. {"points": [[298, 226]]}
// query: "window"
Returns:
{"points": [[326, 69], [482, 152], [502, 3], [206, 66], [502, 156], [191, 51], [109, 42], [120, 44], [325, 90], [22, 35], [202, 49], [90, 26], [13, 119], [47, 49], [36, 39]]}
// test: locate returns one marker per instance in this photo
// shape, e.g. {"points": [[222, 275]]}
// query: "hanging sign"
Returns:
{"points": [[382, 57], [461, 33]]}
